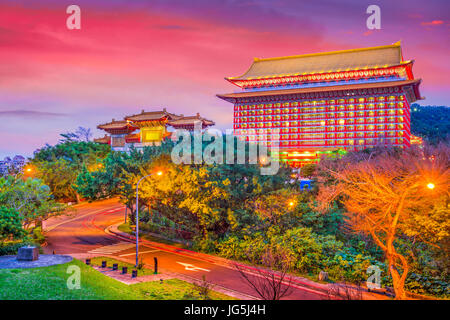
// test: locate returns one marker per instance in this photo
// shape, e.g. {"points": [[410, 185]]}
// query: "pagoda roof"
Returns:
{"points": [[190, 121], [104, 140], [116, 125], [249, 94], [334, 61], [152, 116]]}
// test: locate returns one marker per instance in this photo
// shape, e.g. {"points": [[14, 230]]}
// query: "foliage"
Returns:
{"points": [[308, 170], [59, 165], [386, 196], [117, 174], [38, 236], [431, 122], [59, 175], [238, 213], [11, 247], [10, 224], [30, 198]]}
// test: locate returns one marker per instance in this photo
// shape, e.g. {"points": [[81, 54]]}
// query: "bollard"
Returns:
{"points": [[134, 273], [156, 265], [88, 262], [103, 264], [124, 270], [115, 266]]}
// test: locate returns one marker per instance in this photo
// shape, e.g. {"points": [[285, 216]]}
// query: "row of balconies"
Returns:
{"points": [[331, 142], [293, 124], [275, 137], [300, 112], [322, 116]]}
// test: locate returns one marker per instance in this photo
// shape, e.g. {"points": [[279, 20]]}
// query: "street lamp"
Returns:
{"points": [[28, 170], [159, 173]]}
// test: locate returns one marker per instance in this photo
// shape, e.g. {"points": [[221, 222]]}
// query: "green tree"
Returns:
{"points": [[31, 198], [10, 224], [58, 166], [117, 174], [431, 123]]}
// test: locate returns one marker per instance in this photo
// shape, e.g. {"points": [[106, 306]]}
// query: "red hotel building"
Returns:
{"points": [[326, 102]]}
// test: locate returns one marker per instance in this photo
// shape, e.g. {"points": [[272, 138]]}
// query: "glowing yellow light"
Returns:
{"points": [[159, 173], [430, 186], [29, 170], [291, 204]]}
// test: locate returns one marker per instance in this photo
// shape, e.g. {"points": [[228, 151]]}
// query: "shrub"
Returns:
{"points": [[304, 248], [248, 249], [348, 265], [38, 237], [10, 224], [11, 248]]}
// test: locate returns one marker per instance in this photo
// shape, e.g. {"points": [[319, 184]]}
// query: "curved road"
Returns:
{"points": [[83, 232]]}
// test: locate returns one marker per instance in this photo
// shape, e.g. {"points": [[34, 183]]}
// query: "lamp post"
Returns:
{"points": [[137, 214]]}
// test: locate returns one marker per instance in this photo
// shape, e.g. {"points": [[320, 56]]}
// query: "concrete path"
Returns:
{"points": [[45, 260]]}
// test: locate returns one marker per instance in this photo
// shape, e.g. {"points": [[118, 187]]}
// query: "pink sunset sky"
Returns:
{"points": [[134, 55]]}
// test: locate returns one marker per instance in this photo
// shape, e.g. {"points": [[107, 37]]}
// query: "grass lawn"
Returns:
{"points": [[49, 283]]}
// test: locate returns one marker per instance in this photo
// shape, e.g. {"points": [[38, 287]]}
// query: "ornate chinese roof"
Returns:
{"points": [[335, 61], [117, 127], [153, 116], [190, 121], [360, 86], [103, 140]]}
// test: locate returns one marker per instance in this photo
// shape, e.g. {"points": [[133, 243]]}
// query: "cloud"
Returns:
{"points": [[170, 27], [432, 23], [30, 114]]}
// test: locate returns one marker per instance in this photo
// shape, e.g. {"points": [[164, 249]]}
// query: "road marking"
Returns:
{"points": [[191, 267], [134, 253], [114, 248]]}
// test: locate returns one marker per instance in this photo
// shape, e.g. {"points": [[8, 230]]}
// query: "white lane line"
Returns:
{"points": [[134, 253]]}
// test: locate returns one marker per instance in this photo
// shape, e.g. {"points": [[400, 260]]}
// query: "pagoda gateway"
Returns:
{"points": [[147, 128], [314, 104]]}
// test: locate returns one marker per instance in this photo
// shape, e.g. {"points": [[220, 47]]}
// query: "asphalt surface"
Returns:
{"points": [[84, 232]]}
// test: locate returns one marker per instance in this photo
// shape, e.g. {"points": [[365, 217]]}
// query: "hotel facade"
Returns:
{"points": [[314, 104]]}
